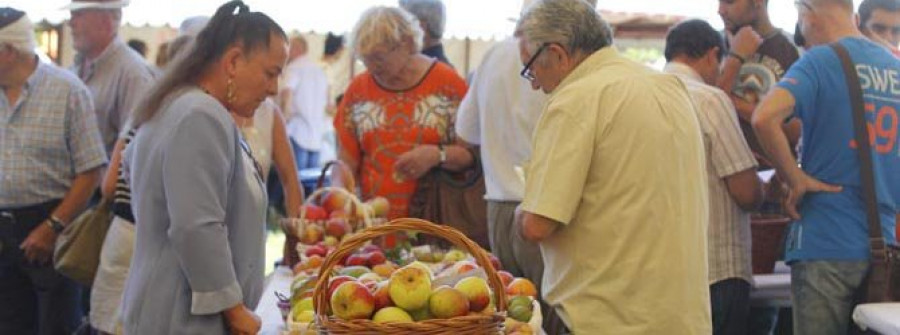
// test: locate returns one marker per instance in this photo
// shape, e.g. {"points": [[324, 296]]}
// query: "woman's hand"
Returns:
{"points": [[417, 162], [242, 321]]}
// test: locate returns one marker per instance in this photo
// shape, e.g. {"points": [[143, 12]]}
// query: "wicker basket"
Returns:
{"points": [[464, 325], [292, 226], [767, 233]]}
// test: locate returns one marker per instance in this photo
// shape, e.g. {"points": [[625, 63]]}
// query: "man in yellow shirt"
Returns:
{"points": [[615, 189]]}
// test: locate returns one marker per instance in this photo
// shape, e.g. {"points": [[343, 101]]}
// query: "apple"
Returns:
{"points": [[370, 248], [305, 304], [354, 271], [520, 300], [304, 316], [495, 262], [314, 213], [329, 241], [521, 312], [303, 289], [315, 250], [392, 314], [371, 276], [422, 266], [356, 259], [374, 258], [352, 301], [476, 291], [382, 295], [337, 227], [384, 269], [464, 267], [310, 234], [380, 206], [455, 255], [334, 282], [410, 288], [521, 286], [505, 277], [359, 212], [446, 302], [421, 314], [335, 200]]}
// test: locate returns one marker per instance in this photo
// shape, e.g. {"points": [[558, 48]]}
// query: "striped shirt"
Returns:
{"points": [[118, 79], [727, 153], [122, 197], [47, 137]]}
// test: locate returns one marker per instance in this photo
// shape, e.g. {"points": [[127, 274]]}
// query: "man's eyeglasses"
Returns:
{"points": [[526, 71], [882, 29]]}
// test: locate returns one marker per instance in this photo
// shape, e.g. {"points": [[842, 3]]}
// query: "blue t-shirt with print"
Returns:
{"points": [[833, 225]]}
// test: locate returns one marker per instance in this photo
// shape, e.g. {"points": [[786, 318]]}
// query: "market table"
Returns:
{"points": [[279, 281], [883, 318]]}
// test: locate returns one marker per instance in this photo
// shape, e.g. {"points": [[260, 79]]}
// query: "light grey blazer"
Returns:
{"points": [[200, 209]]}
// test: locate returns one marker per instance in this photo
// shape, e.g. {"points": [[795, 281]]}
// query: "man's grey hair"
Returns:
{"points": [[574, 24], [431, 13]]}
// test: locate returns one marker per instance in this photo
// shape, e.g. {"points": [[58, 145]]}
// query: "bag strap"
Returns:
{"points": [[863, 148]]}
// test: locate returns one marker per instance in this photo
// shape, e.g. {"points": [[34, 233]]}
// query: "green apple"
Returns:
{"points": [[421, 314], [446, 302], [455, 255], [304, 316], [410, 287], [392, 314], [521, 313]]}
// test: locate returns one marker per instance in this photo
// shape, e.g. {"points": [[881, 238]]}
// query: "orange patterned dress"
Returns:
{"points": [[375, 126]]}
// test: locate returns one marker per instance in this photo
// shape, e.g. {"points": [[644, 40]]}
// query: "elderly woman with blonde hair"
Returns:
{"points": [[396, 120]]}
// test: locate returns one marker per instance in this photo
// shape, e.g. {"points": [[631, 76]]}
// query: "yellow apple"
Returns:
{"points": [[446, 302], [410, 287], [392, 314]]}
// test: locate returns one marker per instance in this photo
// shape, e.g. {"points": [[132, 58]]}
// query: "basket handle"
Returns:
{"points": [[345, 171], [349, 245]]}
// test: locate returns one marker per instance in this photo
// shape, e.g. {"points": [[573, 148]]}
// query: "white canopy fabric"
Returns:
{"points": [[465, 18]]}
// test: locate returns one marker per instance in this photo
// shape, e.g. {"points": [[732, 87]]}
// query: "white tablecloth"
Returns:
{"points": [[883, 318], [268, 311], [774, 289]]}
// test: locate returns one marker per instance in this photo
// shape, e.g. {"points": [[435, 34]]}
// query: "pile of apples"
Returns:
{"points": [[336, 217]]}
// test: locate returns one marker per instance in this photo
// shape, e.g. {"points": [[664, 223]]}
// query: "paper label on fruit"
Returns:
{"points": [[451, 280]]}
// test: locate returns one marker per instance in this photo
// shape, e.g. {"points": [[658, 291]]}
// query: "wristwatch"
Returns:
{"points": [[55, 224], [443, 153]]}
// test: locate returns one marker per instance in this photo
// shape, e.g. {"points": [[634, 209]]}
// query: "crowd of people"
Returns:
{"points": [[624, 192]]}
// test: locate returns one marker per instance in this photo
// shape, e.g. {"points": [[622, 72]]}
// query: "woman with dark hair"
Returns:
{"points": [[198, 196]]}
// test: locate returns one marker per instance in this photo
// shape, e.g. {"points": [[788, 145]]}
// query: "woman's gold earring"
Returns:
{"points": [[229, 92]]}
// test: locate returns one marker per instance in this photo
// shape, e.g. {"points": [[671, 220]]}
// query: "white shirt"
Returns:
{"points": [[308, 87], [727, 153], [499, 113], [259, 135]]}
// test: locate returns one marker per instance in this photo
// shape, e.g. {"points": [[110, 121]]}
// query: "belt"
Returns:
{"points": [[31, 210]]}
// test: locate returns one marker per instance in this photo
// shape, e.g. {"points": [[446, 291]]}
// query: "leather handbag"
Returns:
{"points": [[454, 199], [77, 253], [882, 283]]}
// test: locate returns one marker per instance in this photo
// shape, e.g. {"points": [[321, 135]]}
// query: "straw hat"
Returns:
{"points": [[96, 4]]}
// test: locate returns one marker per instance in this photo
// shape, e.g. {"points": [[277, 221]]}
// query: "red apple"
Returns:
{"points": [[337, 227], [315, 250], [505, 277], [334, 282], [369, 248], [339, 214], [382, 297], [314, 213], [476, 290], [335, 200], [495, 262], [374, 258], [521, 286], [356, 260], [352, 301], [464, 266]]}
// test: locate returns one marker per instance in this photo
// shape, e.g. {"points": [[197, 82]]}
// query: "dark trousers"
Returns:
{"points": [[34, 298], [730, 301], [306, 159]]}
